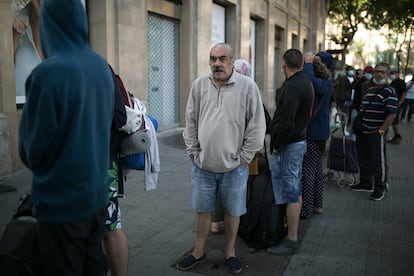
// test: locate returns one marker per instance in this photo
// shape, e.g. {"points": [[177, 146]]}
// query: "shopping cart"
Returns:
{"points": [[342, 162]]}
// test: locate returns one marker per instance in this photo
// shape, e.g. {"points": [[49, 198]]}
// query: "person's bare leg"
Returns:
{"points": [[115, 244], [396, 129], [293, 216], [203, 222], [231, 226]]}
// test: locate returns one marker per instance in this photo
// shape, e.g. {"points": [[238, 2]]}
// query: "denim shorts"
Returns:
{"points": [[286, 167], [232, 186]]}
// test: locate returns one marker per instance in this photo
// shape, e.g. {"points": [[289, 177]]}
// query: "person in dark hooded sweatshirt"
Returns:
{"points": [[64, 139], [318, 68]]}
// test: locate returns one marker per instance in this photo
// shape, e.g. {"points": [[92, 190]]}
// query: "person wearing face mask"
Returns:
{"points": [[361, 85], [378, 110], [401, 90], [344, 91]]}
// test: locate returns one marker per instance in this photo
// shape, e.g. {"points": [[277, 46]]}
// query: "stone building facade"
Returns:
{"points": [[159, 48]]}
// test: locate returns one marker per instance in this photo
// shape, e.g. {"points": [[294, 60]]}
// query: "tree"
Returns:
{"points": [[398, 16], [346, 15]]}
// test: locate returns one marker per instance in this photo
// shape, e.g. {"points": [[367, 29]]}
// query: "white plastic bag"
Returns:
{"points": [[334, 120], [134, 120]]}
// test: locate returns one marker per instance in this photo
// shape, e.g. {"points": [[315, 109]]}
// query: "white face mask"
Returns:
{"points": [[368, 76], [393, 77], [380, 82], [351, 73]]}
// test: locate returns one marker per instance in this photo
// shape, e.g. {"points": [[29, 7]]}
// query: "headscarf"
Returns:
{"points": [[243, 67]]}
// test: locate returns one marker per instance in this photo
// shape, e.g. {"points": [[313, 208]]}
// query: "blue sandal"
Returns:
{"points": [[190, 261]]}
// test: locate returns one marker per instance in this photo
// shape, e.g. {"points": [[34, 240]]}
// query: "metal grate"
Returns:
{"points": [[163, 77]]}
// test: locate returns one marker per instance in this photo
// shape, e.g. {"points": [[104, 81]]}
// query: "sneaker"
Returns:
{"points": [[395, 140], [285, 247], [233, 265], [377, 195], [362, 187], [387, 187], [190, 261]]}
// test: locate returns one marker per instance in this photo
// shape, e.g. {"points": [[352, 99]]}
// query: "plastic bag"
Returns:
{"points": [[334, 120]]}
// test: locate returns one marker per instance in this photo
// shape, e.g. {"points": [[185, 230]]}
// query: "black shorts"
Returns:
{"points": [[73, 248]]}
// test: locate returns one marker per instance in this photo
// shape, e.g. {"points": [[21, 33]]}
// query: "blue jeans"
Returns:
{"points": [[232, 186], [286, 167]]}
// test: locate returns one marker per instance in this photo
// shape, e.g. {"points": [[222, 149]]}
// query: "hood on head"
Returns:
{"points": [[327, 59], [243, 67], [63, 26]]}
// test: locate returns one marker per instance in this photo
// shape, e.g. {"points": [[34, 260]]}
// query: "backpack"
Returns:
{"points": [[124, 92], [19, 248], [135, 161]]}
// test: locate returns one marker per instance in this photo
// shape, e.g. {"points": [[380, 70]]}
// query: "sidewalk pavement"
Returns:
{"points": [[353, 236]]}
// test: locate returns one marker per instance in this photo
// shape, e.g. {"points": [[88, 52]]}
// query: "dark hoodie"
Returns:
{"points": [[65, 127]]}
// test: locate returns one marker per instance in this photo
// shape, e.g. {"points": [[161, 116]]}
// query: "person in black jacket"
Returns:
{"points": [[401, 90], [288, 145]]}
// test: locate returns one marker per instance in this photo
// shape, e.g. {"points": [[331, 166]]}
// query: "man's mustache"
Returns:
{"points": [[218, 69]]}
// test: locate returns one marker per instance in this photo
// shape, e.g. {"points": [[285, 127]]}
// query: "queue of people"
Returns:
{"points": [[299, 130], [72, 208]]}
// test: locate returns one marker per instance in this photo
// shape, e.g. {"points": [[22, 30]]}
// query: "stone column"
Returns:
{"points": [[9, 160]]}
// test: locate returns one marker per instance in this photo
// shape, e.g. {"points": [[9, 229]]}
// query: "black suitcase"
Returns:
{"points": [[19, 251], [264, 224]]}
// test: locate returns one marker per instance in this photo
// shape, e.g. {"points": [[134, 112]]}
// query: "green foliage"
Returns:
{"points": [[397, 14], [347, 15]]}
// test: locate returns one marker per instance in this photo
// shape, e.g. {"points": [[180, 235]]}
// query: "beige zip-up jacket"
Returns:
{"points": [[224, 126]]}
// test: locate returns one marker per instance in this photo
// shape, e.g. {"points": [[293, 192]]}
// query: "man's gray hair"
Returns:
{"points": [[222, 44]]}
